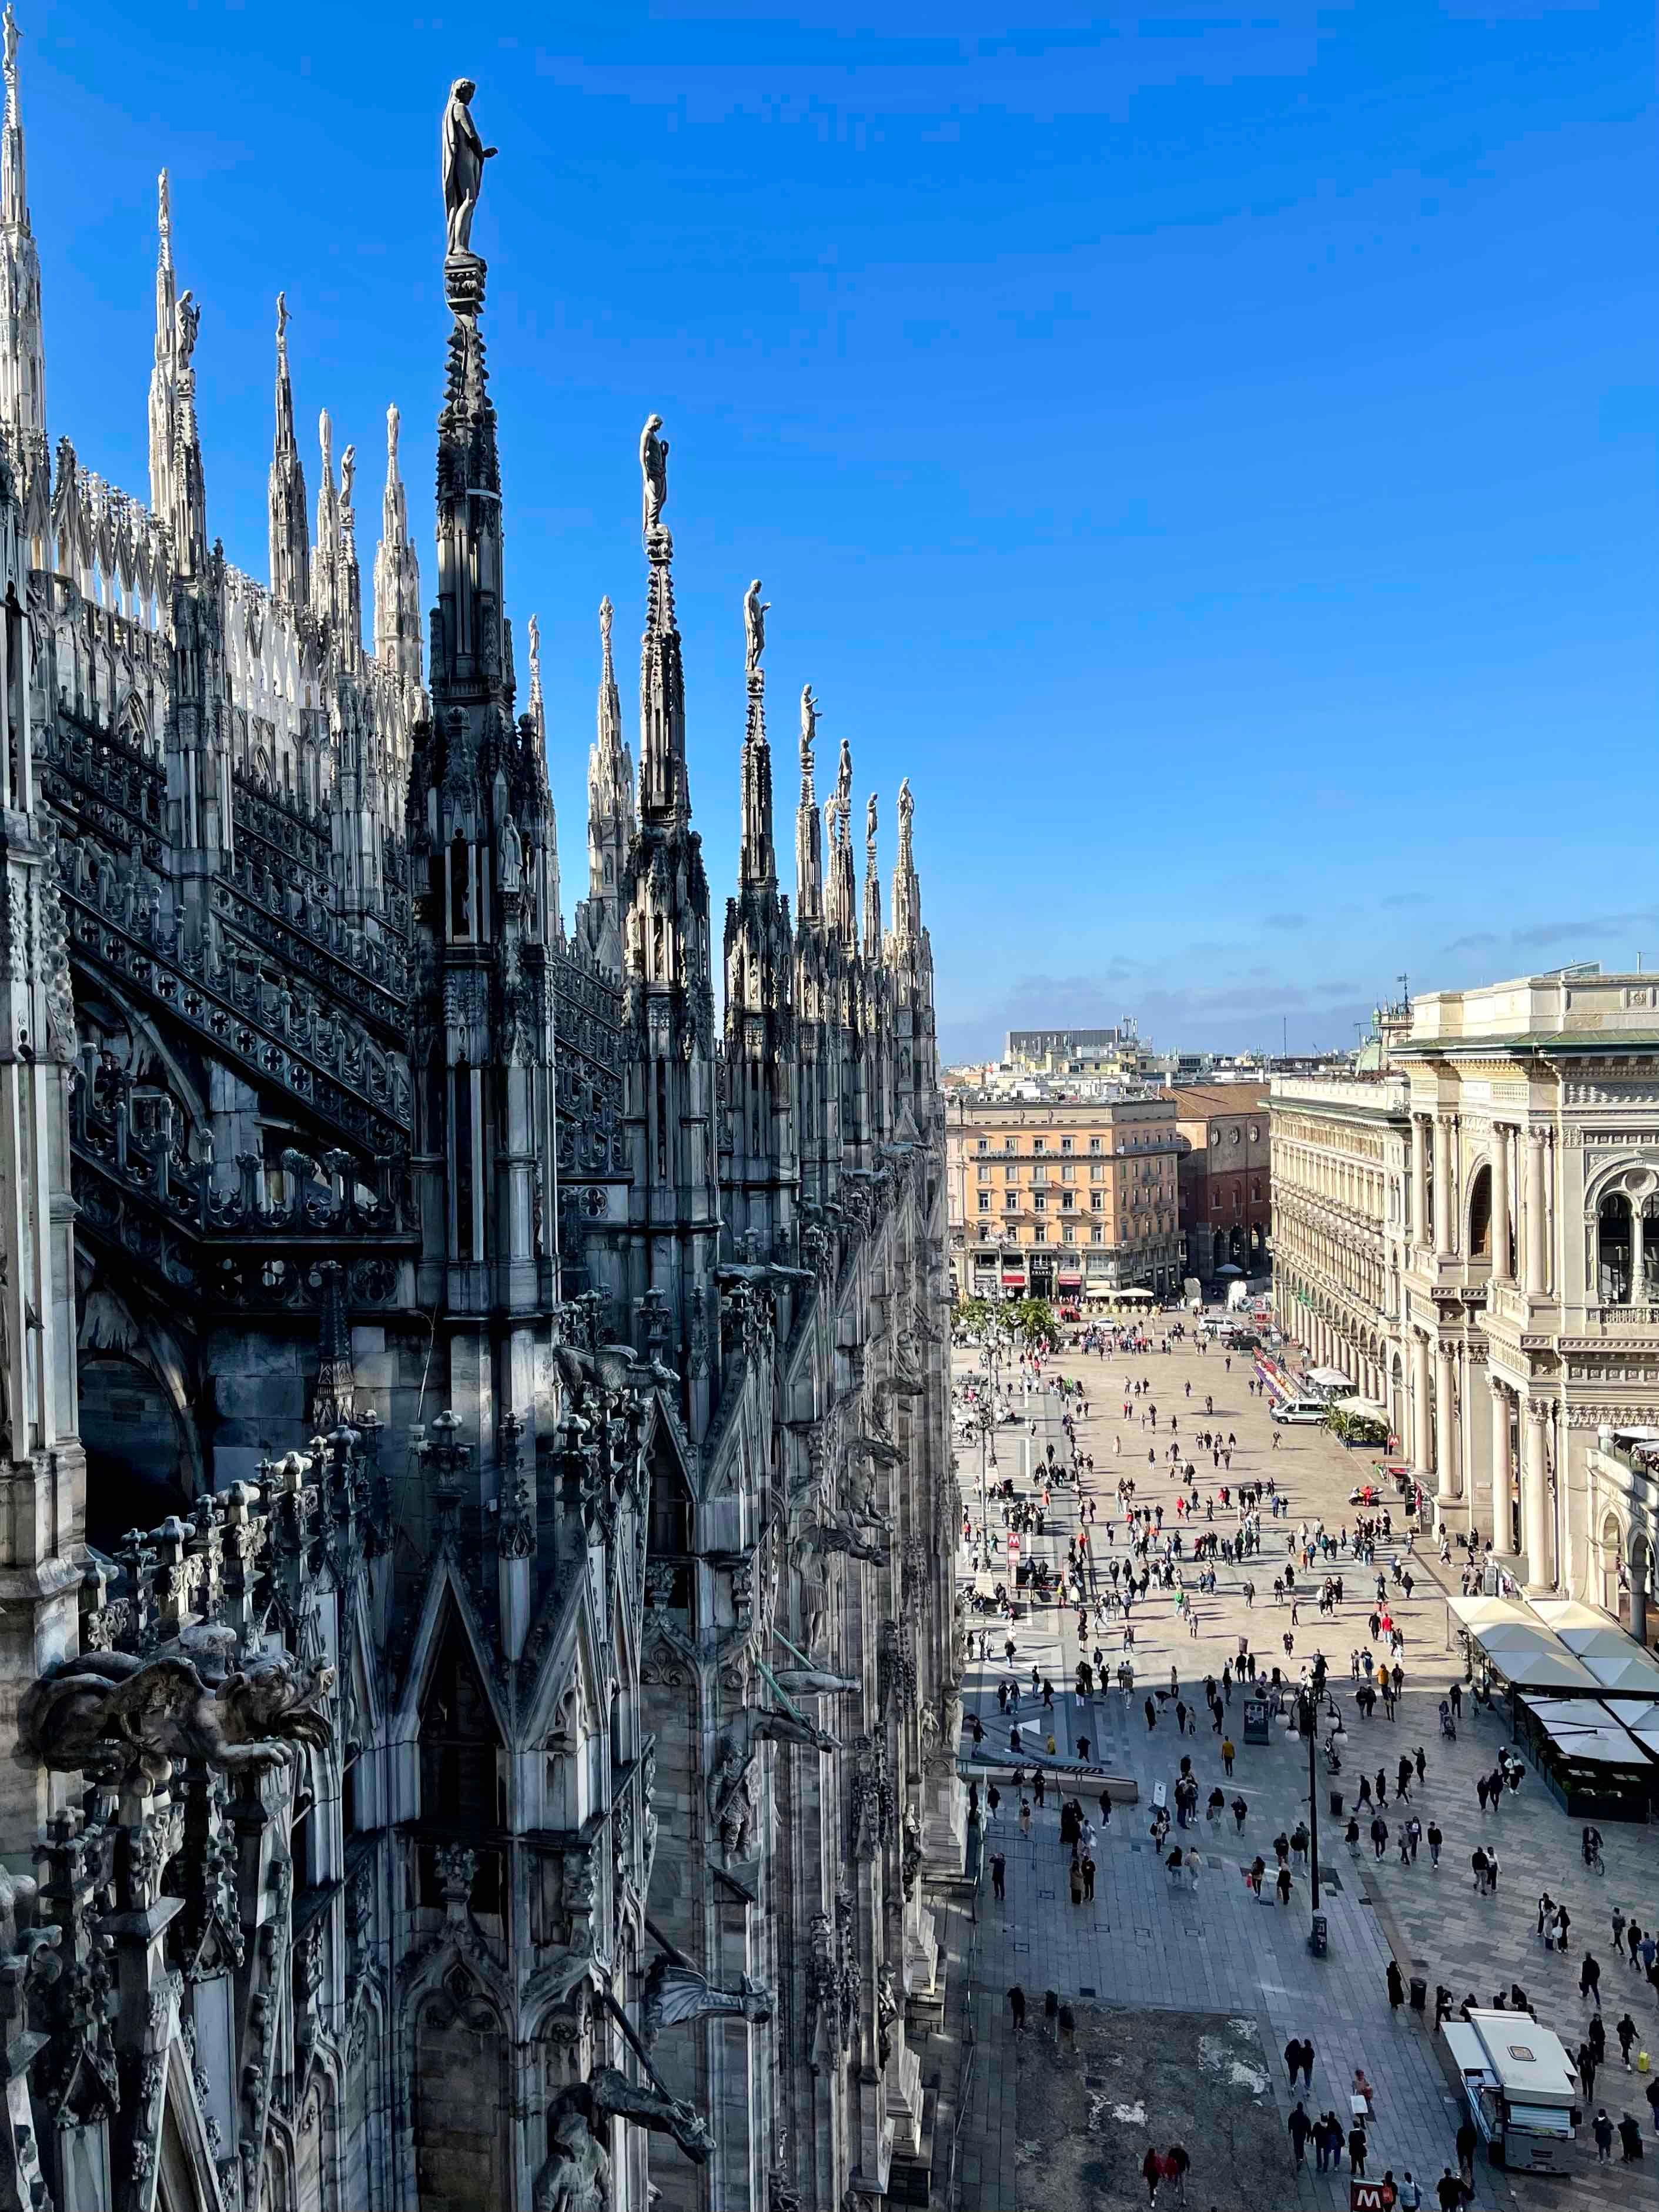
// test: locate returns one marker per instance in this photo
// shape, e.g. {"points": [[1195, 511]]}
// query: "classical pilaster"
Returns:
{"points": [[1537, 1221], [1445, 1426], [1422, 1431]]}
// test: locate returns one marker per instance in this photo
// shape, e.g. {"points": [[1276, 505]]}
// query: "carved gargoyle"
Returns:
{"points": [[119, 1718], [815, 1682], [575, 2176], [676, 1993]]}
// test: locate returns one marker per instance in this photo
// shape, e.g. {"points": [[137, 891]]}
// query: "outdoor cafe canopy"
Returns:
{"points": [[1519, 1646], [1616, 1659]]}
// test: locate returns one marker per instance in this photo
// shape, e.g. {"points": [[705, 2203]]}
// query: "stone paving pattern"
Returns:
{"points": [[1145, 1942]]}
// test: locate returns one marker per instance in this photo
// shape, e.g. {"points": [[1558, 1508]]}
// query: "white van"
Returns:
{"points": [[1522, 2090], [1307, 1411]]}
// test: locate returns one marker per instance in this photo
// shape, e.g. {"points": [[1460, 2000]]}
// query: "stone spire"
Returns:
{"points": [[842, 903], [757, 863], [23, 348], [396, 573], [325, 568], [809, 822], [163, 388], [907, 886], [554, 894], [481, 1016], [349, 588], [668, 1018], [609, 818], [290, 535], [871, 886], [664, 795], [188, 514]]}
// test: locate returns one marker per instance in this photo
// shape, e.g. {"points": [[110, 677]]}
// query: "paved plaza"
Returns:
{"points": [[1154, 1945]]}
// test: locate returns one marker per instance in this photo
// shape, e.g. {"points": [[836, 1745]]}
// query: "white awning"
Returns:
{"points": [[1330, 1378]]}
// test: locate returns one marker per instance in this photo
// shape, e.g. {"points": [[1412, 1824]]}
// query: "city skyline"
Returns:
{"points": [[1125, 456]]}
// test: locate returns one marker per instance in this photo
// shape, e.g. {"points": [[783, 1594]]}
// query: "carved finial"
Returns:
{"points": [[534, 628], [607, 615], [325, 440], [653, 468], [283, 320], [164, 217], [393, 420]]}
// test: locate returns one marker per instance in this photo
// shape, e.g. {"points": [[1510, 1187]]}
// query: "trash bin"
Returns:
{"points": [[1336, 1804], [1316, 1940], [1420, 1994]]}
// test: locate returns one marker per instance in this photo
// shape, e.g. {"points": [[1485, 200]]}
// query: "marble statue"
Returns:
{"points": [[188, 321], [869, 819], [464, 156], [347, 474], [754, 627], [512, 870], [576, 2174], [653, 468], [906, 807], [809, 728]]}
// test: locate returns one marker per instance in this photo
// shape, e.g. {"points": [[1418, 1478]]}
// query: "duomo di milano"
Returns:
{"points": [[479, 1649]]}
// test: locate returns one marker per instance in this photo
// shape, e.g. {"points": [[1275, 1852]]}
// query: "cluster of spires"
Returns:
{"points": [[321, 573]]}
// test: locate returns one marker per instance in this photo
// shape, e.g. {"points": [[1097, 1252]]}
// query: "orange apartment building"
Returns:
{"points": [[1057, 1199]]}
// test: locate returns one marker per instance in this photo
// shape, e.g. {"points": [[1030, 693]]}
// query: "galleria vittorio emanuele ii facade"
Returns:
{"points": [[480, 1651]]}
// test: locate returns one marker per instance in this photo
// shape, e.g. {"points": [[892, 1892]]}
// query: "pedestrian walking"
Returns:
{"points": [[1357, 2150], [1396, 1985], [1625, 2031], [1603, 2132], [1435, 1841], [1017, 2006], [1227, 1756], [1239, 1809], [1300, 2127], [1590, 1980], [999, 1874], [1025, 1818]]}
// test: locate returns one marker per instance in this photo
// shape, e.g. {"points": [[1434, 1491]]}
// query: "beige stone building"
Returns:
{"points": [[1484, 1246], [1061, 1200]]}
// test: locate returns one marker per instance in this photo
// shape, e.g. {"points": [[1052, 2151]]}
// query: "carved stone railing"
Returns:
{"points": [[283, 822], [138, 1190], [280, 1036], [344, 960]]}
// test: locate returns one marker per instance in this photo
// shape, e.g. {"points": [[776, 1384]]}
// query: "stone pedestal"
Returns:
{"points": [[944, 1826]]}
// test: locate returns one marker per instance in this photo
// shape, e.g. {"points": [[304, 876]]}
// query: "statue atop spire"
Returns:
{"points": [[809, 822], [22, 346], [871, 883], [755, 864], [665, 797], [463, 154], [754, 628], [162, 383], [290, 528], [14, 199], [809, 738], [653, 468], [396, 573]]}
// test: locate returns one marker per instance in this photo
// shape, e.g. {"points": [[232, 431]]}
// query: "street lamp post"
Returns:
{"points": [[1308, 1722]]}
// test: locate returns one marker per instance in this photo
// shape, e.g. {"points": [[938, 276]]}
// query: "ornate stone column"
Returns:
{"points": [[1445, 1433], [1537, 1214], [1419, 1180], [1500, 1203], [1422, 1449], [1638, 1296], [1443, 1182], [1536, 1495], [1502, 1516]]}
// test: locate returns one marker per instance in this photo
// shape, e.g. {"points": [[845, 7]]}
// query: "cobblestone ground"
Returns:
{"points": [[1150, 1945]]}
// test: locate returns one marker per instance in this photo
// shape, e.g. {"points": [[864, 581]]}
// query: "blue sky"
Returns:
{"points": [[1212, 454]]}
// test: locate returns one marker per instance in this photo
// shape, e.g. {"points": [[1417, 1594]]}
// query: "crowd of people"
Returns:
{"points": [[1173, 1537]]}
